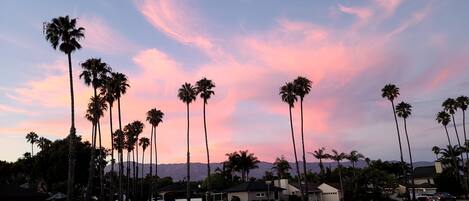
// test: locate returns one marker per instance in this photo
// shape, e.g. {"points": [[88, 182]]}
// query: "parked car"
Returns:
{"points": [[443, 196], [426, 197]]}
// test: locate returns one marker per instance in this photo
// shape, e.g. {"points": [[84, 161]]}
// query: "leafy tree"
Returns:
{"points": [[187, 94], [62, 32]]}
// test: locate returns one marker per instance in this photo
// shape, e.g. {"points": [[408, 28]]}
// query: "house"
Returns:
{"points": [[315, 192], [423, 180], [173, 191], [254, 191]]}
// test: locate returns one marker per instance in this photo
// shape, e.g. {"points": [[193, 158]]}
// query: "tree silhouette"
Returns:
{"points": [[187, 94], [32, 138], [154, 117], [62, 32]]}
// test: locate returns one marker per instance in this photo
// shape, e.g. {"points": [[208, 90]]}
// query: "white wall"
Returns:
{"points": [[329, 193]]}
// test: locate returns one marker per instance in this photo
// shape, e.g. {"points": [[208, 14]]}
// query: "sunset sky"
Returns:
{"points": [[249, 48]]}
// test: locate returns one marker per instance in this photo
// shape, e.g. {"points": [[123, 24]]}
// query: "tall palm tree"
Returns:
{"points": [[444, 119], [132, 131], [281, 166], [337, 157], [302, 88], [62, 32], [95, 74], [320, 154], [204, 88], [118, 140], [354, 157], [187, 94], [43, 143], [463, 103], [404, 110], [450, 105], [108, 91], [247, 161], [144, 143], [121, 85], [94, 112], [154, 117], [391, 92], [32, 138], [287, 93], [436, 151]]}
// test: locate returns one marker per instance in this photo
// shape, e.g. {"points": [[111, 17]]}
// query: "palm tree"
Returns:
{"points": [[320, 154], [337, 157], [354, 157], [132, 131], [450, 105], [187, 93], [444, 119], [204, 88], [43, 143], [154, 117], [232, 164], [436, 151], [144, 142], [404, 110], [108, 91], [121, 86], [62, 32], [247, 161], [302, 88], [95, 74], [118, 140], [32, 138], [391, 92], [281, 166], [463, 103], [94, 112], [287, 93]]}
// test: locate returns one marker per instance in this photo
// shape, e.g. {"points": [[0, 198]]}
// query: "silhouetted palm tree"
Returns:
{"points": [[391, 92], [436, 151], [32, 138], [463, 103], [95, 74], [121, 86], [43, 143], [320, 154], [204, 88], [187, 93], [354, 157], [132, 131], [337, 157], [154, 117], [108, 91], [246, 162], [94, 112], [281, 166], [444, 119], [451, 106], [302, 88], [62, 32], [287, 93], [144, 143], [404, 110], [119, 145]]}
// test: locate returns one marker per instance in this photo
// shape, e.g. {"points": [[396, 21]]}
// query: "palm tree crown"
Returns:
{"points": [[462, 102], [62, 32], [144, 142], [32, 137], [443, 118], [155, 117], [119, 139], [204, 88], [354, 156], [96, 108], [287, 92], [450, 105], [302, 86], [121, 84], [187, 93], [390, 91], [403, 110], [94, 72]]}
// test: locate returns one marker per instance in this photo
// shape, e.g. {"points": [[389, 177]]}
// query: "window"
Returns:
{"points": [[260, 194]]}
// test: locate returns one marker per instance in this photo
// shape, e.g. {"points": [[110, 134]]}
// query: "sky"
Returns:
{"points": [[349, 49]]}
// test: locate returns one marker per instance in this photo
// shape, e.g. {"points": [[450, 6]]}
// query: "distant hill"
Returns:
{"points": [[199, 170]]}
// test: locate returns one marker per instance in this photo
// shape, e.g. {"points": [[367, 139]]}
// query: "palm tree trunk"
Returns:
{"points": [[143, 162], [455, 164], [459, 143], [188, 188], [121, 166], [411, 161], [101, 159], [305, 178], [340, 180], [296, 157], [71, 143], [400, 149], [465, 143], [32, 149], [156, 163], [136, 171], [151, 163], [133, 174], [111, 192], [447, 135], [127, 194], [208, 158], [89, 186]]}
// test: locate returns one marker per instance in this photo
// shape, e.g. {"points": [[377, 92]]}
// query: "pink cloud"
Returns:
{"points": [[362, 13]]}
